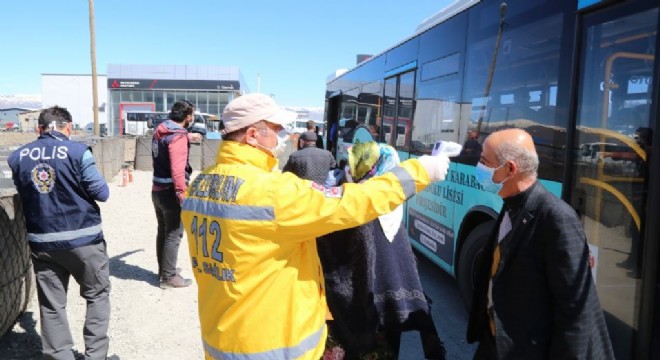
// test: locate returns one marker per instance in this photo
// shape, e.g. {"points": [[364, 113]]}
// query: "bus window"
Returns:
{"points": [[527, 67]]}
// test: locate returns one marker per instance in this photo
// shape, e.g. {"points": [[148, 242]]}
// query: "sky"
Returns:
{"points": [[291, 46]]}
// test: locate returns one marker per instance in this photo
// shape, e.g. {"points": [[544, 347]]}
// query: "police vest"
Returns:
{"points": [[58, 213], [161, 155]]}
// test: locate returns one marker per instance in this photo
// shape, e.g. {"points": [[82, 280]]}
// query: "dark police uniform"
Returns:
{"points": [[59, 185]]}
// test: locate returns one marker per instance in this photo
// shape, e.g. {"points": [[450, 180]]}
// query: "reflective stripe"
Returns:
{"points": [[285, 353], [226, 211], [64, 235], [407, 182], [163, 180]]}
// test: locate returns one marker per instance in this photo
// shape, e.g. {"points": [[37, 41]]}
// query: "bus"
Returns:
{"points": [[142, 122], [581, 77]]}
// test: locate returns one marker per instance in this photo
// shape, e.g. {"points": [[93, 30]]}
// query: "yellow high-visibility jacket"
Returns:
{"points": [[252, 239]]}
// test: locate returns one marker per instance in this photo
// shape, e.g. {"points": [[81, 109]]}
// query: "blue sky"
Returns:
{"points": [[293, 45]]}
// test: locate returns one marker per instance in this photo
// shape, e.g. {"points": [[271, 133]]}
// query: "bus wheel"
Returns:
{"points": [[470, 253]]}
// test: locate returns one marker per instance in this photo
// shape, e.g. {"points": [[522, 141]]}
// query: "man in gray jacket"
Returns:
{"points": [[310, 162]]}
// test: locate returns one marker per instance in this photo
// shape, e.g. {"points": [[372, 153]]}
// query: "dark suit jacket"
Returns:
{"points": [[545, 300]]}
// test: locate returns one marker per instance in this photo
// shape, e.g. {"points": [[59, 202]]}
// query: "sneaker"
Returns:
{"points": [[177, 271], [175, 282]]}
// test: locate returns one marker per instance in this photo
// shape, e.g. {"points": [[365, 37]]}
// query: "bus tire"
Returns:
{"points": [[470, 253]]}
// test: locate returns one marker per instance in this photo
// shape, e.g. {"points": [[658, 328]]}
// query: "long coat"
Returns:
{"points": [[544, 296]]}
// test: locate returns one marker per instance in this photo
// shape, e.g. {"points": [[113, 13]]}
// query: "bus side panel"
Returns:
{"points": [[435, 215]]}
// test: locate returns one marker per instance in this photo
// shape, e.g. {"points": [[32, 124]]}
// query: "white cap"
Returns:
{"points": [[251, 108]]}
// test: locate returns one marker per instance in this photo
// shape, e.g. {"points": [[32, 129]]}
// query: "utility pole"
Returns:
{"points": [[92, 39]]}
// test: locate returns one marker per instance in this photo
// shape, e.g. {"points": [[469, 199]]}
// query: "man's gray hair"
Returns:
{"points": [[527, 161]]}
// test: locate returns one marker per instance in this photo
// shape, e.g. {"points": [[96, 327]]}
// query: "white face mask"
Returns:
{"points": [[278, 149]]}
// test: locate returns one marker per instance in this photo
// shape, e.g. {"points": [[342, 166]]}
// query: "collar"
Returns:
{"points": [[53, 134], [233, 152], [515, 202], [171, 124]]}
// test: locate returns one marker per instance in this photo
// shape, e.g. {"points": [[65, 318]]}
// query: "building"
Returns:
{"points": [[27, 120], [157, 87], [10, 115], [74, 92], [142, 87]]}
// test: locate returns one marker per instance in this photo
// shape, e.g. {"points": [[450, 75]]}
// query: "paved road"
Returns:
{"points": [[449, 314]]}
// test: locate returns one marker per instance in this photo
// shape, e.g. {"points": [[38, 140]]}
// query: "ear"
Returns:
{"points": [[250, 135], [512, 168]]}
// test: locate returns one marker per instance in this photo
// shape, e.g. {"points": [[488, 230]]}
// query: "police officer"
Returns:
{"points": [[59, 184]]}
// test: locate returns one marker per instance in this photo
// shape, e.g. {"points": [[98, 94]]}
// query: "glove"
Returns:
{"points": [[436, 166]]}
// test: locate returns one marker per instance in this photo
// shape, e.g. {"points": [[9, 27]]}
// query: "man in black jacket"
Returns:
{"points": [[534, 296], [310, 162]]}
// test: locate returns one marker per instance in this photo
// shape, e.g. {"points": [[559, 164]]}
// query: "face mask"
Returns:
{"points": [[282, 137], [279, 149], [484, 176]]}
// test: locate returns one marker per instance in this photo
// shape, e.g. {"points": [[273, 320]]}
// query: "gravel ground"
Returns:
{"points": [[146, 322]]}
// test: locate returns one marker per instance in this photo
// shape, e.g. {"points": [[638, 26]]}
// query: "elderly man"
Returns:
{"points": [[310, 162], [534, 294], [252, 236]]}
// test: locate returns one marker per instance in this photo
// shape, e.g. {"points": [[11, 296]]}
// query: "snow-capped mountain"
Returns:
{"points": [[23, 101]]}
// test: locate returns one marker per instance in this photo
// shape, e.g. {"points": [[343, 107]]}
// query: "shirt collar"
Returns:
{"points": [[515, 202]]}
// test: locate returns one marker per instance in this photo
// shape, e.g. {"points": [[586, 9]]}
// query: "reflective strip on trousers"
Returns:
{"points": [[284, 353], [64, 235], [227, 211]]}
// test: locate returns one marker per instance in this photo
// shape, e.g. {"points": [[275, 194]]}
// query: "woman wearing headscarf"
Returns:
{"points": [[372, 284]]}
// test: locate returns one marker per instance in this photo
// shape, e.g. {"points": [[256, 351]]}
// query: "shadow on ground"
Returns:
{"points": [[22, 341], [122, 270]]}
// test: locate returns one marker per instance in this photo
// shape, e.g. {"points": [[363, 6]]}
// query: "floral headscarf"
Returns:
{"points": [[366, 160], [370, 159]]}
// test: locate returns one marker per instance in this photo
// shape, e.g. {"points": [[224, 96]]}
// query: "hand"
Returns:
{"points": [[180, 196], [436, 166], [194, 137]]}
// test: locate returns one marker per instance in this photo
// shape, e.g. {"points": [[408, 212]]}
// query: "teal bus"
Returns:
{"points": [[580, 76]]}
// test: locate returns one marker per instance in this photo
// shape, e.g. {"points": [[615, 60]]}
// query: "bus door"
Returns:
{"points": [[397, 111], [333, 110], [613, 138]]}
